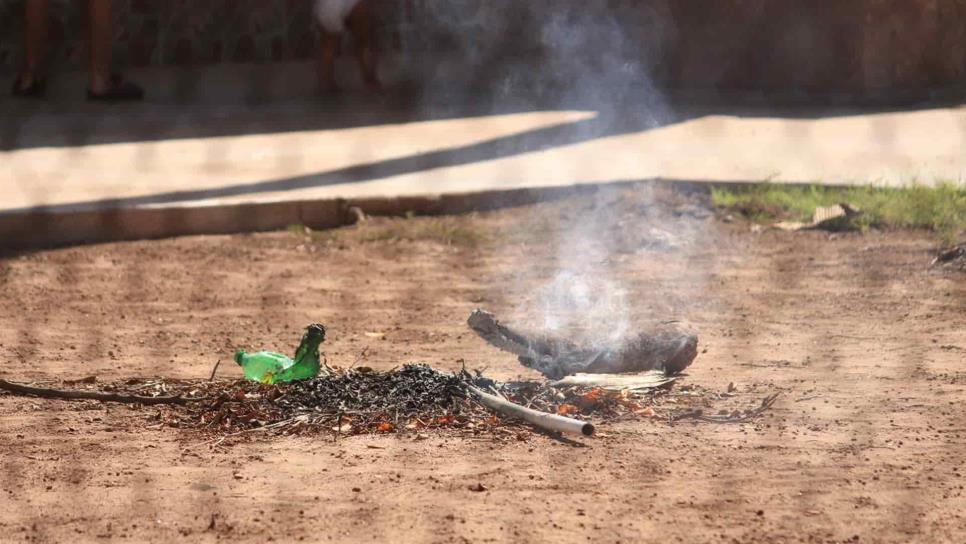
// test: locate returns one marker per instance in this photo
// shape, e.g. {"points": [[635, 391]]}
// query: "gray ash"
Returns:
{"points": [[411, 390]]}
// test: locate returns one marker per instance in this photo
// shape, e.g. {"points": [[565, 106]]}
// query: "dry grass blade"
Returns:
{"points": [[741, 417], [619, 382]]}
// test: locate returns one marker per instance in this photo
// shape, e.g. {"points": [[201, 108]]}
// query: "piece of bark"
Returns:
{"points": [[670, 347]]}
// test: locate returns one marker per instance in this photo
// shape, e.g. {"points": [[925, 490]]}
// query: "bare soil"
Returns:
{"points": [[865, 341]]}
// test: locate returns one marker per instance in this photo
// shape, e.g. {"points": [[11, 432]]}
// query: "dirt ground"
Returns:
{"points": [[865, 341]]}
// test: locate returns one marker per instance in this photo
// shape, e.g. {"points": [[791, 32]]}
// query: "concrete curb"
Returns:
{"points": [[38, 229]]}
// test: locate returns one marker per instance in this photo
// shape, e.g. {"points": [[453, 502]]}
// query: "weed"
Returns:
{"points": [[940, 208]]}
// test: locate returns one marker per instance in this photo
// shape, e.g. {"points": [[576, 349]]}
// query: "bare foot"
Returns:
{"points": [[25, 81], [28, 85]]}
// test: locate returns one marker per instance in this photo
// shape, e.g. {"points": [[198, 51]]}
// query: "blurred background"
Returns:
{"points": [[477, 96]]}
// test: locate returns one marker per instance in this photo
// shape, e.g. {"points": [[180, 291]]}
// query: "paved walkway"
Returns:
{"points": [[83, 156]]}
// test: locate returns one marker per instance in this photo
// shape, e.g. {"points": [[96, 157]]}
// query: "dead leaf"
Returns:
{"points": [[592, 395], [565, 409], [384, 427]]}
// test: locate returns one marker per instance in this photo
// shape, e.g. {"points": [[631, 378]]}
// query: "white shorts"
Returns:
{"points": [[332, 14]]}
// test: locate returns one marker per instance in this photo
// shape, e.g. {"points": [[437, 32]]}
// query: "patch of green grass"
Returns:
{"points": [[462, 231], [940, 208], [299, 230]]}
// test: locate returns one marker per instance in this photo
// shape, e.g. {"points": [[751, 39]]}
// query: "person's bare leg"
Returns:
{"points": [[100, 45], [35, 41], [360, 24], [103, 86], [329, 50]]}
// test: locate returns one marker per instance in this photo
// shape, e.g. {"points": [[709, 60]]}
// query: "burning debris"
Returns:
{"points": [[669, 347], [413, 397], [417, 397], [284, 392], [410, 399]]}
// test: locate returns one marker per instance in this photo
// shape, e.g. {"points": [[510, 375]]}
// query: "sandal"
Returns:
{"points": [[36, 89], [119, 91]]}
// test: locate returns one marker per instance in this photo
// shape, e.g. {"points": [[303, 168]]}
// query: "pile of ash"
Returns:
{"points": [[411, 398], [411, 390]]}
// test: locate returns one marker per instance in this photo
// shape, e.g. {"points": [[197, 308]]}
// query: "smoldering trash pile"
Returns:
{"points": [[410, 399], [416, 397], [304, 395]]}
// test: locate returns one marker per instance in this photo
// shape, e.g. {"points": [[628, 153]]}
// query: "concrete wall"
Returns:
{"points": [[178, 32], [838, 45], [806, 46]]}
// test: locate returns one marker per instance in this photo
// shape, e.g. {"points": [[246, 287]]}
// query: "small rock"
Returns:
{"points": [[478, 487]]}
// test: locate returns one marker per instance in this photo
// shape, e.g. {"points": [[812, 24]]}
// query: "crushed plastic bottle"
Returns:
{"points": [[270, 367]]}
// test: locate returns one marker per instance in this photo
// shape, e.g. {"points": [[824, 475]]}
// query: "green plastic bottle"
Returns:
{"points": [[270, 367]]}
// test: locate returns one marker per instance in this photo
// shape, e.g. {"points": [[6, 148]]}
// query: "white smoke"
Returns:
{"points": [[594, 55], [585, 307], [582, 299]]}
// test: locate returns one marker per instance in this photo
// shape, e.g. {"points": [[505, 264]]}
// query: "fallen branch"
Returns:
{"points": [[766, 403], [543, 420], [47, 393]]}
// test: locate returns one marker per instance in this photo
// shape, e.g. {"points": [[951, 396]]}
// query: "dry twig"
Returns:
{"points": [[748, 415], [49, 393]]}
